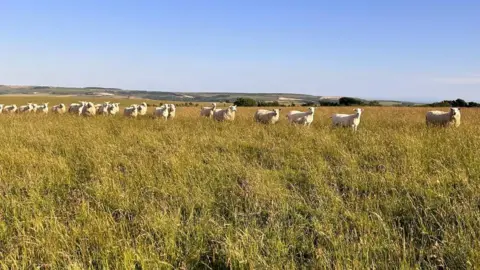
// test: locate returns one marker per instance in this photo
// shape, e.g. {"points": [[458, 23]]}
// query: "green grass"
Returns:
{"points": [[191, 193]]}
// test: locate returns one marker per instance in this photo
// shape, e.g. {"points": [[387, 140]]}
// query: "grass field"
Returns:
{"points": [[112, 192]]}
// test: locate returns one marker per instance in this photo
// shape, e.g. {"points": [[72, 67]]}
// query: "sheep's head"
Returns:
{"points": [[311, 110], [172, 108], [144, 104], [454, 112], [276, 112], [358, 111], [214, 105], [233, 108]]}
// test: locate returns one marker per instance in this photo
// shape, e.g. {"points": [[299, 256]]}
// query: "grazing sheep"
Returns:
{"points": [[348, 120], [1, 108], [171, 111], [42, 108], [10, 109], [227, 114], [59, 109], [142, 108], [113, 108], [131, 111], [267, 116], [162, 111], [89, 109], [450, 118], [208, 111], [26, 108], [303, 118]]}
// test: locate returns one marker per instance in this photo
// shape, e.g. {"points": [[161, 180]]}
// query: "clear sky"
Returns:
{"points": [[412, 50]]}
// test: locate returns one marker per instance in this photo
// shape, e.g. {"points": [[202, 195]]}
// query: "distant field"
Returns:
{"points": [[112, 192]]}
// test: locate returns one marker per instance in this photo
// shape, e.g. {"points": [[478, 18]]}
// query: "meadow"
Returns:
{"points": [[119, 193]]}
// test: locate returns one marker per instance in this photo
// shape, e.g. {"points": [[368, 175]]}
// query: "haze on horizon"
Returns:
{"points": [[404, 50]]}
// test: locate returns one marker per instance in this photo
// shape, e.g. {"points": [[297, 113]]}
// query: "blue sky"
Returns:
{"points": [[412, 50]]}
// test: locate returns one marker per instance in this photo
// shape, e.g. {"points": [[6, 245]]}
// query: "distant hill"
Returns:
{"points": [[173, 96]]}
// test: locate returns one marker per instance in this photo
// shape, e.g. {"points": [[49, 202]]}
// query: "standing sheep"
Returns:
{"points": [[1, 108], [142, 108], [348, 120], [89, 109], [303, 118], [25, 108], [10, 109], [131, 111], [59, 109], [171, 111], [113, 108], [208, 111], [267, 116], [450, 118], [162, 111], [42, 108], [227, 114], [77, 108]]}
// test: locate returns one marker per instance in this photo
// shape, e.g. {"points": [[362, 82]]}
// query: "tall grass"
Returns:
{"points": [[192, 193]]}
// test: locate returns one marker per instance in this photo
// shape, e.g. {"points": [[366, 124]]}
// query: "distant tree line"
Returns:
{"points": [[344, 101], [454, 103]]}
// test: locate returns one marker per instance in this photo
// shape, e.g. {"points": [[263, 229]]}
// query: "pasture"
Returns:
{"points": [[113, 192]]}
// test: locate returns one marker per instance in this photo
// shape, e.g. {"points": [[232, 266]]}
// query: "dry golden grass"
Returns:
{"points": [[112, 192]]}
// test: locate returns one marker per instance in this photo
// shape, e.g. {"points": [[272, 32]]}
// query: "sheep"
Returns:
{"points": [[227, 114], [347, 120], [25, 108], [103, 108], [10, 109], [208, 111], [59, 109], [267, 116], [131, 111], [42, 108], [171, 111], [113, 108], [88, 109], [142, 108], [34, 108], [1, 108], [162, 111], [450, 118], [303, 118], [77, 108]]}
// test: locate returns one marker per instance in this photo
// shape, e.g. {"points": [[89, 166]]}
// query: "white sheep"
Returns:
{"points": [[171, 111], [131, 111], [10, 109], [1, 108], [267, 116], [208, 111], [59, 109], [347, 120], [162, 111], [227, 114], [142, 108], [303, 118], [25, 108], [113, 108], [43, 108], [450, 118], [89, 109], [77, 108], [103, 108]]}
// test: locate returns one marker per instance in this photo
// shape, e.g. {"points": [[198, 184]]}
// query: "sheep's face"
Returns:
{"points": [[276, 112], [144, 104], [358, 111], [311, 110], [172, 108], [233, 108], [455, 111]]}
